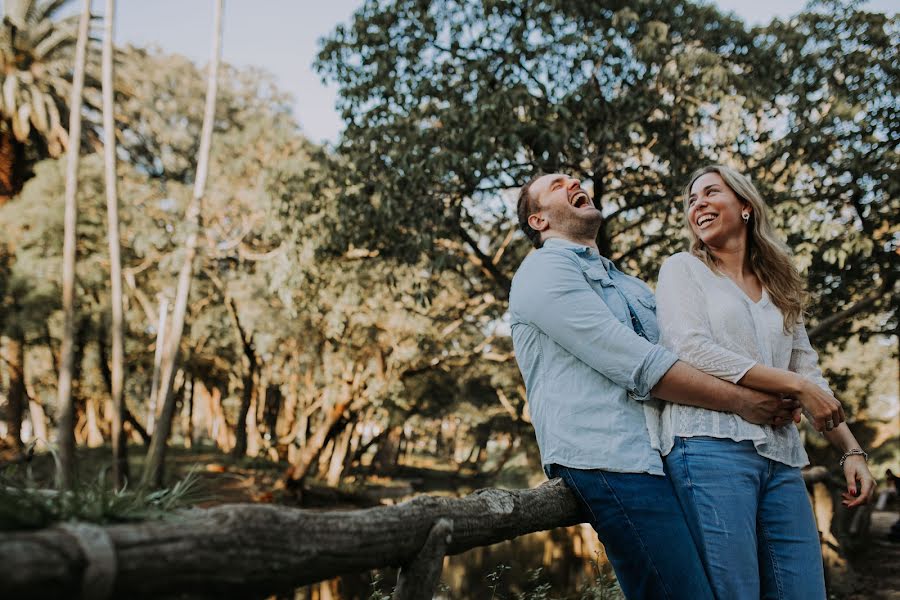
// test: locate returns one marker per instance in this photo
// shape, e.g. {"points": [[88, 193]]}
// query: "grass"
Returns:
{"points": [[24, 504]]}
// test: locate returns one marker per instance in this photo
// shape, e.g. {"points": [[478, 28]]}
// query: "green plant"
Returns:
{"points": [[604, 586], [495, 578], [25, 506], [376, 593]]}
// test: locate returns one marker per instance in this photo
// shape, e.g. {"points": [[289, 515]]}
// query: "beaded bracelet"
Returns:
{"points": [[854, 452]]}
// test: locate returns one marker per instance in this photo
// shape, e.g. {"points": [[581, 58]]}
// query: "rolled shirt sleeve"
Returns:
{"points": [[566, 309], [804, 359]]}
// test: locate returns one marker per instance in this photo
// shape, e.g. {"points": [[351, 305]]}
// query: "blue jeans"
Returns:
{"points": [[751, 518], [640, 523]]}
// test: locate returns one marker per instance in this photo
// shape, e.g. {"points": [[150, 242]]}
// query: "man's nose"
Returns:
{"points": [[573, 183]]}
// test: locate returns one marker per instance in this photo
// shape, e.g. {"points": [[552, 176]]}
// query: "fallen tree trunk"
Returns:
{"points": [[252, 550], [256, 550]]}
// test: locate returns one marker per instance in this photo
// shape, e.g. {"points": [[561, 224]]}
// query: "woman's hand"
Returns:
{"points": [[859, 481], [824, 408]]}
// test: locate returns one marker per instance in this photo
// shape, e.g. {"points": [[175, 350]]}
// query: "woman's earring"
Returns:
{"points": [[746, 217]]}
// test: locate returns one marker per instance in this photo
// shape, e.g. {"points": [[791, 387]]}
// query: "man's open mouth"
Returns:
{"points": [[706, 219], [579, 199]]}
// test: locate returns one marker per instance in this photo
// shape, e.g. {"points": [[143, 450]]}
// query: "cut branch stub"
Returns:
{"points": [[417, 580]]}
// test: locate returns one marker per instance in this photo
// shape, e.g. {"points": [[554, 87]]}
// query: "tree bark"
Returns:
{"points": [[65, 410], [388, 454], [154, 470], [152, 404], [17, 398], [316, 444], [119, 441], [338, 455], [13, 170], [252, 550]]}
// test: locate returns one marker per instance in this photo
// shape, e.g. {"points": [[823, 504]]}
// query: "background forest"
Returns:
{"points": [[346, 326]]}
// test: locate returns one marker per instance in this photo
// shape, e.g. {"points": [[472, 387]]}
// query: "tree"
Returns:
{"points": [[154, 468], [120, 456], [66, 423], [36, 56], [833, 170], [449, 105]]}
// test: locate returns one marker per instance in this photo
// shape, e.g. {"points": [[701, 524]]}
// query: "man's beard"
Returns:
{"points": [[582, 226]]}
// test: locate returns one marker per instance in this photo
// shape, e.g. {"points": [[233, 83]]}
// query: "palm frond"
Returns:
{"points": [[47, 10]]}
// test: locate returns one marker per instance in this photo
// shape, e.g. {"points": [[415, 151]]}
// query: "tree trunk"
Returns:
{"points": [[93, 437], [119, 442], [252, 550], [65, 410], [38, 423], [316, 444], [13, 170], [338, 456], [187, 422], [152, 404], [240, 428], [154, 470], [15, 362], [245, 427], [388, 450]]}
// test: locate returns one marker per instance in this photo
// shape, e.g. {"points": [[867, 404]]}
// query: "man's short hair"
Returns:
{"points": [[527, 206]]}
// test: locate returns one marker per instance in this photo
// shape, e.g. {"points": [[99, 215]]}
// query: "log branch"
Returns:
{"points": [[252, 550]]}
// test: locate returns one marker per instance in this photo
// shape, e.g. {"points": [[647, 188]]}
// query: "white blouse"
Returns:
{"points": [[712, 325]]}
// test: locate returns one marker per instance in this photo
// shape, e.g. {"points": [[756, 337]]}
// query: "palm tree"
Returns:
{"points": [[36, 54], [156, 455], [66, 411], [120, 457]]}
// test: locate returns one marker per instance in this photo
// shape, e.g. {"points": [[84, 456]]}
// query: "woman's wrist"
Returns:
{"points": [[796, 384], [852, 452]]}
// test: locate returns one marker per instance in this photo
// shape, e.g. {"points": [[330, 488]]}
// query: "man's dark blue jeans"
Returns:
{"points": [[640, 522]]}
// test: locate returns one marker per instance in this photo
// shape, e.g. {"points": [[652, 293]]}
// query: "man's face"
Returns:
{"points": [[565, 208]]}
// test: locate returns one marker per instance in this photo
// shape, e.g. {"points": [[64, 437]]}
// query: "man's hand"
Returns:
{"points": [[824, 409], [767, 409]]}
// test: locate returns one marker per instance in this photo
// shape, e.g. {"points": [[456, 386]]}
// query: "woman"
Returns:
{"points": [[732, 307]]}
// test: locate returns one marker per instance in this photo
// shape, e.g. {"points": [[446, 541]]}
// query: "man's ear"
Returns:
{"points": [[538, 222]]}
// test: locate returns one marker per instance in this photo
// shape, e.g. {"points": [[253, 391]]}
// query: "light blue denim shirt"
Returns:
{"points": [[586, 370]]}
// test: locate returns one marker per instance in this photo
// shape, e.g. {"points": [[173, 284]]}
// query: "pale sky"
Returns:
{"points": [[282, 37]]}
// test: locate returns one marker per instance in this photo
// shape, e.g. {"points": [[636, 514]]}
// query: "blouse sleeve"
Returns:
{"points": [[685, 328], [805, 360]]}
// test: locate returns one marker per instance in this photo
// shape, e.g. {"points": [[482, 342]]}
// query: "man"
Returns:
{"points": [[585, 340]]}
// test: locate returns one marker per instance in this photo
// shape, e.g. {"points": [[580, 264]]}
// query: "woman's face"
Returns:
{"points": [[714, 211]]}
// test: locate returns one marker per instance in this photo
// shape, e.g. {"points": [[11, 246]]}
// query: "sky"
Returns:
{"points": [[282, 36]]}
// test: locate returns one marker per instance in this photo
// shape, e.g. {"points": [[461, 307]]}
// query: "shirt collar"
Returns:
{"points": [[579, 249]]}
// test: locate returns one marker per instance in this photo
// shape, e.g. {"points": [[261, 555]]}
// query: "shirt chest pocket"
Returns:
{"points": [[646, 307], [603, 285]]}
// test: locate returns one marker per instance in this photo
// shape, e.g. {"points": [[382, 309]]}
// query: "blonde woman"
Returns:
{"points": [[732, 307]]}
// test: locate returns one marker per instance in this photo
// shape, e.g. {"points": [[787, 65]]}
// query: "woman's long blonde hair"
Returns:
{"points": [[770, 257]]}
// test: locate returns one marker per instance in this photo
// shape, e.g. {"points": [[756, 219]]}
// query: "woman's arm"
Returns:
{"points": [[819, 403], [860, 483]]}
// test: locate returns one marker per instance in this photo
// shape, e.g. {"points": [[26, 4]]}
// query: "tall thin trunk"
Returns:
{"points": [[157, 362], [119, 442], [65, 409], [15, 361], [153, 472]]}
